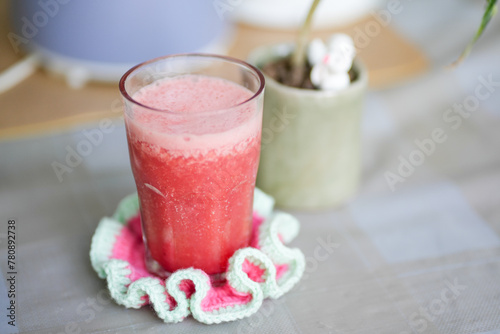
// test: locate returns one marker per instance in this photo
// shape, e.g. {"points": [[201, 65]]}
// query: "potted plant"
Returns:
{"points": [[310, 156]]}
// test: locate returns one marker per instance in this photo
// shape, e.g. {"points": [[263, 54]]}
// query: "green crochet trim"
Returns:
{"points": [[272, 251]]}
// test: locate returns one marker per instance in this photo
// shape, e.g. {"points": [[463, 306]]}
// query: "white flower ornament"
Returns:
{"points": [[332, 62]]}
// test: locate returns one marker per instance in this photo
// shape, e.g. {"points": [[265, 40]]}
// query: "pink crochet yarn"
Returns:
{"points": [[129, 247]]}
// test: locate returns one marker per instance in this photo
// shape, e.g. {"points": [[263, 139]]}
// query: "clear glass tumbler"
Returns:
{"points": [[193, 126]]}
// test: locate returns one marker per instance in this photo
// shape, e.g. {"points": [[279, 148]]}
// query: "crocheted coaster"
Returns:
{"points": [[266, 269]]}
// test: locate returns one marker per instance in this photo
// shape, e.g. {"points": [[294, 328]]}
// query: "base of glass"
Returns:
{"points": [[155, 268]]}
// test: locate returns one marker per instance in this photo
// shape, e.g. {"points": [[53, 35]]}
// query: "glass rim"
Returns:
{"points": [[250, 67]]}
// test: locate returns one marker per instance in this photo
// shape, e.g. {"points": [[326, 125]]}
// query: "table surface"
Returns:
{"points": [[416, 251]]}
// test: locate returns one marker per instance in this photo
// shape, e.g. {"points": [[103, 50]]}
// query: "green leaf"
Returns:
{"points": [[490, 11]]}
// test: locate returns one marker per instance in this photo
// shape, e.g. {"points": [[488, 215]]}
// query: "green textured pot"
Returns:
{"points": [[310, 156]]}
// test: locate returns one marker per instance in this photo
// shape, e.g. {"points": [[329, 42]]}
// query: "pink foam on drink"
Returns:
{"points": [[211, 103], [192, 94]]}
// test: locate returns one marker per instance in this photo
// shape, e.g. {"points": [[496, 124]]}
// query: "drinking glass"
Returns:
{"points": [[193, 124]]}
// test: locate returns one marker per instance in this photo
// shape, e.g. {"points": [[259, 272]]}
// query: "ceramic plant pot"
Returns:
{"points": [[310, 156]]}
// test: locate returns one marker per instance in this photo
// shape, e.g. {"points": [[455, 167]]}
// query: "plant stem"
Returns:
{"points": [[299, 55]]}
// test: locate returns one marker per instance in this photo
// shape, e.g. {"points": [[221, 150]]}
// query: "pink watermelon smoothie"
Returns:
{"points": [[195, 182]]}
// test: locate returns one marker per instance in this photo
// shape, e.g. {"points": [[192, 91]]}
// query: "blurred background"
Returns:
{"points": [[66, 45], [68, 49]]}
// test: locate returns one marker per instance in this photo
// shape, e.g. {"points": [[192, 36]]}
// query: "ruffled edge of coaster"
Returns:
{"points": [[278, 228]]}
